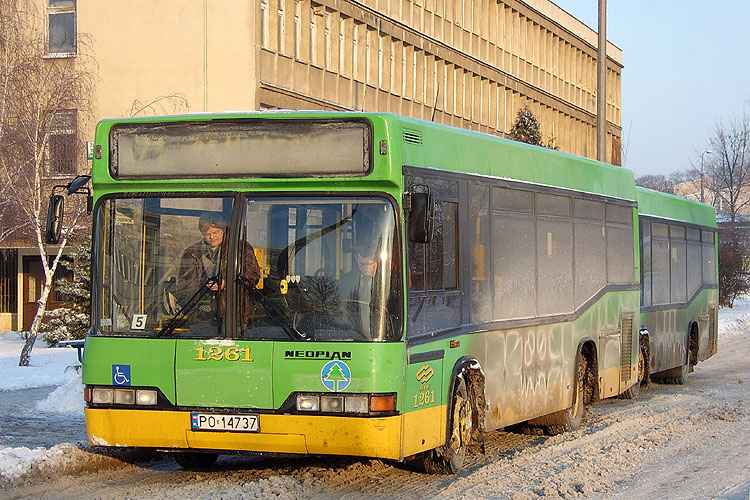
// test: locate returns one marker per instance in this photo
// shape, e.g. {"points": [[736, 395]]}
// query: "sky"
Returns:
{"points": [[686, 69]]}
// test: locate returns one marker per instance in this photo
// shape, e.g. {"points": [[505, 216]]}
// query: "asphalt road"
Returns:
{"points": [[21, 424]]}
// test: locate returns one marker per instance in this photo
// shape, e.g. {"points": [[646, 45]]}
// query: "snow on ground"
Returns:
{"points": [[671, 442], [48, 367]]}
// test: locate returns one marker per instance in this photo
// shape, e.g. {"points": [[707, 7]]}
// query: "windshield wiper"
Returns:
{"points": [[185, 311], [271, 309]]}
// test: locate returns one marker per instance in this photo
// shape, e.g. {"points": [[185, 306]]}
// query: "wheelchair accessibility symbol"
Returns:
{"points": [[120, 374]]}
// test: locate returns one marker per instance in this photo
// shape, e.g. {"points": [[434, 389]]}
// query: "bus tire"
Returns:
{"points": [[570, 419], [632, 391], [449, 458], [194, 460]]}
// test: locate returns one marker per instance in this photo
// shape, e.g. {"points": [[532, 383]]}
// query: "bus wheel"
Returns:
{"points": [[193, 460], [449, 458], [570, 419]]}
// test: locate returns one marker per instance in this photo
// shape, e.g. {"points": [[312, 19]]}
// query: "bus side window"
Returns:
{"points": [[434, 299]]}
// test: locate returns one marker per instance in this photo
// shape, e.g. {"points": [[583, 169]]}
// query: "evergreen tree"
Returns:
{"points": [[71, 322], [526, 128]]}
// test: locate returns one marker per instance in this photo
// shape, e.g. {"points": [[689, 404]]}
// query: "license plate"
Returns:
{"points": [[224, 422]]}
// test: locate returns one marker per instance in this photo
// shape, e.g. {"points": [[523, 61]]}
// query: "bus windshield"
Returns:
{"points": [[319, 269]]}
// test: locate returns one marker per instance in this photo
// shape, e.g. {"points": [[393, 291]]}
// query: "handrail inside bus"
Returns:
{"points": [[290, 251]]}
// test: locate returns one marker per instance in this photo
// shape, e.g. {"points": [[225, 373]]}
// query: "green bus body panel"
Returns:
{"points": [[205, 377], [528, 370], [299, 367], [494, 156], [151, 362], [262, 377], [668, 206]]}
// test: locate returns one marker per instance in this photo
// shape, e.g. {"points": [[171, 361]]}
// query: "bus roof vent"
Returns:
{"points": [[412, 136]]}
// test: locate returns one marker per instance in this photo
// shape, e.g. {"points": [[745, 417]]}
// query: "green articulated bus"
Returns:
{"points": [[360, 284], [679, 293]]}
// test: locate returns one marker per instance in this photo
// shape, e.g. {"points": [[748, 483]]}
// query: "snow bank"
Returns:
{"points": [[67, 399], [736, 321], [18, 462]]}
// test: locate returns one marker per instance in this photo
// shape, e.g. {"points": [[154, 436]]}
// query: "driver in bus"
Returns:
{"points": [[206, 260], [357, 286]]}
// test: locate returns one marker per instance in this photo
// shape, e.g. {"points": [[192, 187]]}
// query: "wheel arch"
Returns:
{"points": [[693, 346], [468, 368], [644, 339], [587, 348]]}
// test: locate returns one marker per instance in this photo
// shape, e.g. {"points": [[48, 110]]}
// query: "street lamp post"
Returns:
{"points": [[708, 151]]}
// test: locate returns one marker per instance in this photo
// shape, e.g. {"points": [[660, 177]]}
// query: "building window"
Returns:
{"points": [[8, 280], [62, 27], [62, 146]]}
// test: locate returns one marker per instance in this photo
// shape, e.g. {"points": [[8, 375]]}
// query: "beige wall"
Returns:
{"points": [[476, 62], [8, 322], [692, 191], [146, 49]]}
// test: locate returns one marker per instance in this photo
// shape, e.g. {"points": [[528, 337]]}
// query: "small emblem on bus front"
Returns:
{"points": [[336, 376]]}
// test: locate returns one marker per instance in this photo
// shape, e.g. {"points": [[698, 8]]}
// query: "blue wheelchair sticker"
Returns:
{"points": [[120, 374]]}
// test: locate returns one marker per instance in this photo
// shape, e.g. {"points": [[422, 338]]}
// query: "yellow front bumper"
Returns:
{"points": [[301, 434]]}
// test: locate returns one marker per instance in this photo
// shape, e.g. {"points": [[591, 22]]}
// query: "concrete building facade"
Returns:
{"points": [[470, 64], [467, 63]]}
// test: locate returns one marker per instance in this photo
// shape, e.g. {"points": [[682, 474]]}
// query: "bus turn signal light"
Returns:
{"points": [[383, 403]]}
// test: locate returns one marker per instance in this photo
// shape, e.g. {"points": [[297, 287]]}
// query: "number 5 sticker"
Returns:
{"points": [[139, 322]]}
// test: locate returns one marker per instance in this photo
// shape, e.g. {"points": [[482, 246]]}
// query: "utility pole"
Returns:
{"points": [[601, 85]]}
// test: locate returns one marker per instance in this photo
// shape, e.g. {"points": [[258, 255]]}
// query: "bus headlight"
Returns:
{"points": [[124, 396], [306, 402], [356, 404], [332, 403], [145, 397], [102, 395]]}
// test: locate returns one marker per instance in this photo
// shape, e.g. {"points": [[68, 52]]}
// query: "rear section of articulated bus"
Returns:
{"points": [[245, 319]]}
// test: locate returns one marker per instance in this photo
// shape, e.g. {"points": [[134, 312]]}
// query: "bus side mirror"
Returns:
{"points": [[420, 215], [54, 219], [77, 186]]}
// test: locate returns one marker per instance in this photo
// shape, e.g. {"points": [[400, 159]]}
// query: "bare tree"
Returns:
{"points": [[38, 97], [733, 273], [729, 165], [657, 182], [664, 183], [170, 104]]}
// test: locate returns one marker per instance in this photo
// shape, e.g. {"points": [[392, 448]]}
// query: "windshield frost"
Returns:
{"points": [[319, 269]]}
